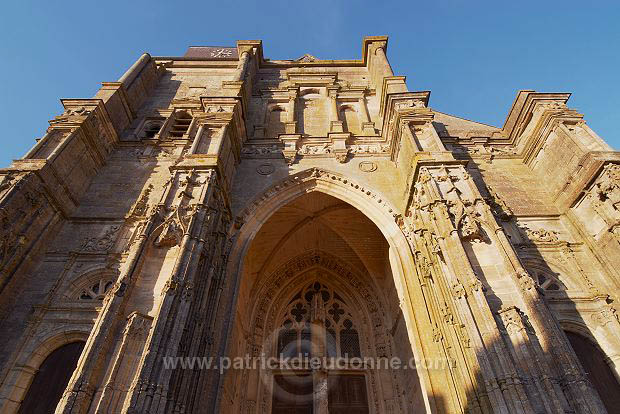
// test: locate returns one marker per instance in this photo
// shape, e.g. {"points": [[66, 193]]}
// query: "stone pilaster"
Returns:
{"points": [[149, 390]]}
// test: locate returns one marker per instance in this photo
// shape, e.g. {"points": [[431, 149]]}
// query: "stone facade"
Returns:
{"points": [[211, 204]]}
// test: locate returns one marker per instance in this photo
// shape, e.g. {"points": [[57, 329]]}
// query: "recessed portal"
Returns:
{"points": [[318, 300], [51, 379]]}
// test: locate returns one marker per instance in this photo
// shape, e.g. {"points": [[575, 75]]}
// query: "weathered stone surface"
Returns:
{"points": [[206, 205]]}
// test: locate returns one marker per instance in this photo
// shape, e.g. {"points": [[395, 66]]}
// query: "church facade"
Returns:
{"points": [[172, 243]]}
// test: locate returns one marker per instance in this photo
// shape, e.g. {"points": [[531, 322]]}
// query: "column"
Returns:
{"points": [[382, 62], [319, 348], [149, 389], [368, 127], [381, 68], [291, 124], [335, 124]]}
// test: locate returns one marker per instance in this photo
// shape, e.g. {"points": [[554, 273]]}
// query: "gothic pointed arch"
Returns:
{"points": [[374, 206]]}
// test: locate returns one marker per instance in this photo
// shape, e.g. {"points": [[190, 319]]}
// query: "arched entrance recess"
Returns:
{"points": [[597, 369], [51, 378], [381, 215]]}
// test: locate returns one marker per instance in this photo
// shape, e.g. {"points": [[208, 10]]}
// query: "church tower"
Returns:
{"points": [[174, 243]]}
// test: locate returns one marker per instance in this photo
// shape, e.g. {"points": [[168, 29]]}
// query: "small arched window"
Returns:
{"points": [[97, 290]]}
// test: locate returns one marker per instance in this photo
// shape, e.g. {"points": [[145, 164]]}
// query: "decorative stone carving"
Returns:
{"points": [[409, 103], [605, 316], [260, 150], [458, 291], [546, 105], [138, 325], [341, 156], [217, 109], [6, 182], [540, 235], [501, 150], [170, 287], [308, 149], [526, 282], [475, 285], [173, 228], [466, 220], [249, 407], [605, 196], [188, 289], [101, 244], [498, 206], [306, 58], [513, 320], [118, 289], [77, 111], [358, 149], [437, 335]]}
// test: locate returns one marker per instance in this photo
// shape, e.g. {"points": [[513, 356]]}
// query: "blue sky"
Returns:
{"points": [[473, 56]]}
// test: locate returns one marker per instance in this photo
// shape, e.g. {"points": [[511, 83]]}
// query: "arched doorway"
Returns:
{"points": [[317, 281], [51, 379], [600, 374]]}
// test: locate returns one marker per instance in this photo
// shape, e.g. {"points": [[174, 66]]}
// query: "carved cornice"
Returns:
{"points": [[521, 112]]}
